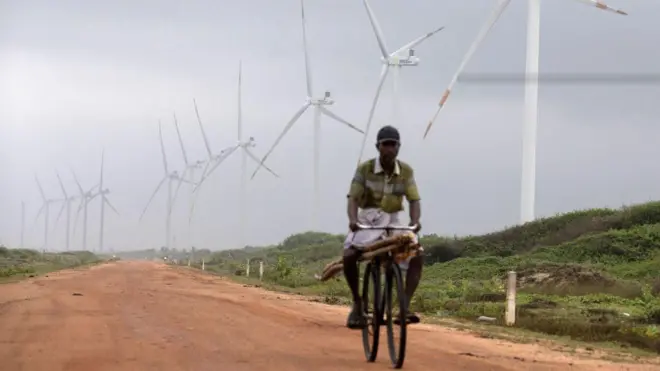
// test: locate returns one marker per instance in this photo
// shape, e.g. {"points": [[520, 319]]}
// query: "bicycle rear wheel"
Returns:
{"points": [[371, 305], [395, 295]]}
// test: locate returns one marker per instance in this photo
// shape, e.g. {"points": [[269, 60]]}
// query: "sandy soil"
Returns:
{"points": [[148, 316]]}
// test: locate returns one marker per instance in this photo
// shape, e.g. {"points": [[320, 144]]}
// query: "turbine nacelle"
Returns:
{"points": [[402, 60], [325, 101]]}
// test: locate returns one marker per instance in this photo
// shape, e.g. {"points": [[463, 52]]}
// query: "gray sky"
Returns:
{"points": [[79, 76]]}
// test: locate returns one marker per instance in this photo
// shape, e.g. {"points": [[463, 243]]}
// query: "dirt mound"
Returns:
{"points": [[561, 276]]}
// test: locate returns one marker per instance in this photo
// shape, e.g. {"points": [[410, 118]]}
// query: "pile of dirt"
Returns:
{"points": [[562, 276]]}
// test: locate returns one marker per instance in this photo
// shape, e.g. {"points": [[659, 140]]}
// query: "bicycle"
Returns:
{"points": [[379, 260]]}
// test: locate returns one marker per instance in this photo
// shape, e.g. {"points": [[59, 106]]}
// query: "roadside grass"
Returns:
{"points": [[590, 275], [17, 264]]}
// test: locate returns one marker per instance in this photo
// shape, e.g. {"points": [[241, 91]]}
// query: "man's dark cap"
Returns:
{"points": [[388, 133]]}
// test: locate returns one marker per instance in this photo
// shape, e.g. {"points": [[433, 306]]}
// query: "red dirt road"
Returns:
{"points": [[147, 316]]}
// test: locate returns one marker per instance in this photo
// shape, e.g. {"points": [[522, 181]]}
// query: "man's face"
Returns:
{"points": [[388, 149]]}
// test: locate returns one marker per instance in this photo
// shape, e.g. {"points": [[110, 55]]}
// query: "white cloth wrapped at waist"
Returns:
{"points": [[376, 218]]}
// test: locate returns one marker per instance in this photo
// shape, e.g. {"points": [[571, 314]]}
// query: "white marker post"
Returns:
{"points": [[261, 270], [247, 269], [203, 266], [511, 299]]}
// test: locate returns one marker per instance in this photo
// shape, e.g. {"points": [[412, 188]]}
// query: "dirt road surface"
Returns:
{"points": [[148, 316]]}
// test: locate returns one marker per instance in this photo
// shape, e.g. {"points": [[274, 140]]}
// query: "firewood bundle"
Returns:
{"points": [[403, 246]]}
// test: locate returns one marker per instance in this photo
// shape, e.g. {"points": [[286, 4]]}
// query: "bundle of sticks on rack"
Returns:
{"points": [[402, 246]]}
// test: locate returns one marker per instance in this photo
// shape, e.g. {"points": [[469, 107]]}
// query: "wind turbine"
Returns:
{"points": [[530, 123], [189, 168], [170, 178], [45, 208], [319, 109], [402, 57], [85, 198], [66, 205], [245, 153], [103, 192]]}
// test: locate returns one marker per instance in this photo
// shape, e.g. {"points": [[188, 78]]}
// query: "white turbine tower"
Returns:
{"points": [[528, 178], [245, 153], [103, 192], [319, 109], [65, 206], [85, 198], [190, 168], [45, 208], [170, 178], [402, 57]]}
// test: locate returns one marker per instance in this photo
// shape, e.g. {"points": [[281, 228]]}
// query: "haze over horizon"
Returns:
{"points": [[78, 77]]}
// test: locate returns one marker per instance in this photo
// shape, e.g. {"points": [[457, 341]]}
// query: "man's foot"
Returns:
{"points": [[410, 319], [356, 319]]}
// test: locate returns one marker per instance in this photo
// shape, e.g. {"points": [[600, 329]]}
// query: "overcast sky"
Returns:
{"points": [[79, 76]]}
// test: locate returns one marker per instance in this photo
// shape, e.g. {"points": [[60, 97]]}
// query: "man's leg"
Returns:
{"points": [[352, 274], [413, 276]]}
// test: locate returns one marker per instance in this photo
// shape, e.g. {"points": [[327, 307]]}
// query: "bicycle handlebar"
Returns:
{"points": [[411, 228]]}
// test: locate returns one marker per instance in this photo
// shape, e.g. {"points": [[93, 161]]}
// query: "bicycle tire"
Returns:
{"points": [[393, 277], [371, 278]]}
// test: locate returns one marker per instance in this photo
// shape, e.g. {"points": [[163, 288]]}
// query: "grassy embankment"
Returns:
{"points": [[20, 263], [590, 275]]}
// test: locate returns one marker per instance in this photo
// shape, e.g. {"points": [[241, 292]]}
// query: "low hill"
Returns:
{"points": [[591, 274]]}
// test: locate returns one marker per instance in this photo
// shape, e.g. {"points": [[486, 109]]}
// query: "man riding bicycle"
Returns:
{"points": [[376, 199]]}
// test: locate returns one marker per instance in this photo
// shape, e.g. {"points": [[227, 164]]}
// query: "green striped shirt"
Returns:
{"points": [[372, 188]]}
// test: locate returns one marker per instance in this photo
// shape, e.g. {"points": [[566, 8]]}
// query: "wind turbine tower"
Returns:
{"points": [[66, 205], [245, 153], [85, 198], [170, 178], [530, 120], [45, 209], [103, 193], [319, 109]]}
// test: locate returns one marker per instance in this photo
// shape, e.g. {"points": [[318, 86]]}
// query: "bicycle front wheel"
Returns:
{"points": [[395, 295], [371, 304]]}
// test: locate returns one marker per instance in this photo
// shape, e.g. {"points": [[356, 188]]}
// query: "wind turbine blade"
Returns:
{"points": [[203, 176], [201, 127], [162, 147], [178, 186], [41, 210], [600, 5], [332, 115], [152, 196], [107, 202], [256, 159], [219, 161], [59, 214], [59, 179], [41, 190], [377, 30], [383, 75], [288, 126], [494, 16], [418, 40], [178, 134], [308, 73], [75, 178], [75, 221]]}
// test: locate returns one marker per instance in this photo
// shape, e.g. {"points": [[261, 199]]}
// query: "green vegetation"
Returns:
{"points": [[591, 275], [19, 263]]}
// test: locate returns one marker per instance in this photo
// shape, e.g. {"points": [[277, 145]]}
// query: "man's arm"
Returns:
{"points": [[355, 193], [412, 195]]}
